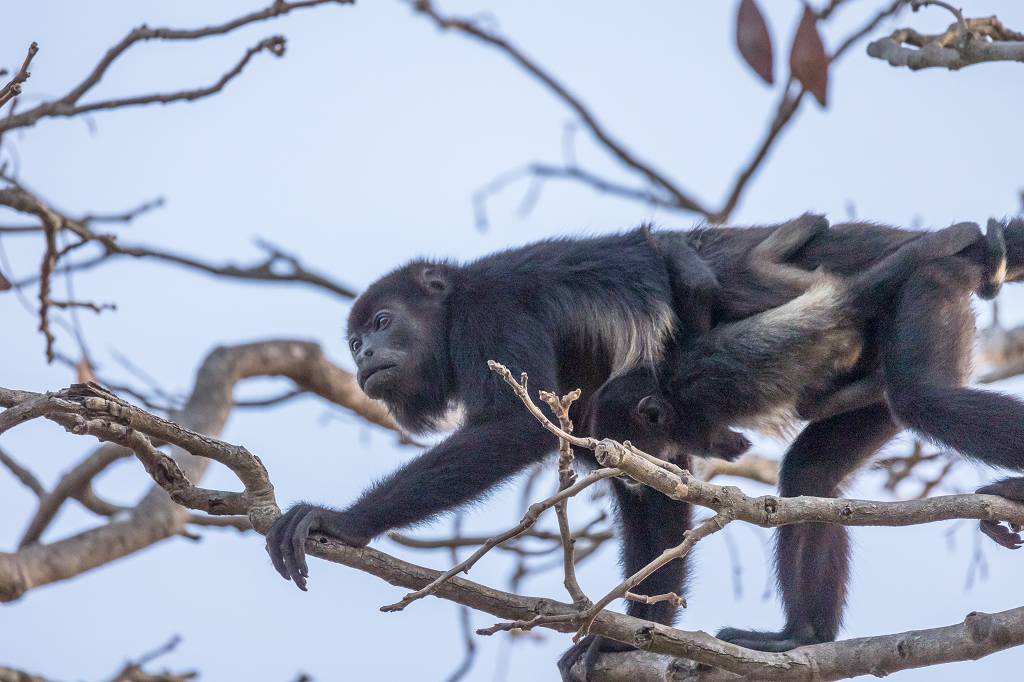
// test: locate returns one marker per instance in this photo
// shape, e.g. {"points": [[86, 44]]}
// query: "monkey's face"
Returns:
{"points": [[381, 351], [392, 351], [397, 334]]}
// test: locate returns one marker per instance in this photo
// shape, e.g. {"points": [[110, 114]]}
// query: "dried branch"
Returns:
{"points": [[586, 534], [753, 466], [680, 551], [465, 618], [770, 510], [627, 158], [132, 671], [527, 522], [13, 87], [156, 517], [662, 192], [279, 266], [27, 478], [566, 478], [789, 103], [72, 484], [69, 105], [999, 353], [965, 42], [89, 410]]}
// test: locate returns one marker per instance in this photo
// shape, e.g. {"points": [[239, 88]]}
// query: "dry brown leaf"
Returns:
{"points": [[807, 60], [753, 40]]}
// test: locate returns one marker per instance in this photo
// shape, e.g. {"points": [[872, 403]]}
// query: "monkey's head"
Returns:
{"points": [[398, 336], [633, 407]]}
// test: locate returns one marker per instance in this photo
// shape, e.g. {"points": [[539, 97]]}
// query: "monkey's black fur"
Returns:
{"points": [[574, 313], [780, 361]]}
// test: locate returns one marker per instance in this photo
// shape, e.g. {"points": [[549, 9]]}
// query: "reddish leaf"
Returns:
{"points": [[753, 40], [807, 61], [5, 284], [84, 371]]}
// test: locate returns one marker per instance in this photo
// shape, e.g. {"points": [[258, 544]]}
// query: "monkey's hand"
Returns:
{"points": [[727, 444], [1012, 489], [585, 652], [286, 541]]}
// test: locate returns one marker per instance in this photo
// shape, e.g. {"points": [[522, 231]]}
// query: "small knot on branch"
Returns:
{"points": [[609, 453]]}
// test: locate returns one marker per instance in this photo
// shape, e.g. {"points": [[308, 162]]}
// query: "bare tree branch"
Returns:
{"points": [[132, 671], [13, 87], [71, 484], [753, 466], [789, 103], [27, 478], [69, 105], [965, 42], [90, 410], [156, 517], [279, 266], [662, 191], [468, 27]]}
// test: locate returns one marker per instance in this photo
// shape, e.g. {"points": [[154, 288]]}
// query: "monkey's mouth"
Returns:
{"points": [[378, 374]]}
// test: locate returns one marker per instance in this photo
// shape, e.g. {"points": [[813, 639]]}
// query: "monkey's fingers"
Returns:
{"points": [[273, 546], [302, 530], [287, 546], [1001, 534], [577, 663]]}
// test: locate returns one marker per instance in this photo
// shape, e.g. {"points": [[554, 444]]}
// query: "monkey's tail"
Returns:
{"points": [[1013, 243]]}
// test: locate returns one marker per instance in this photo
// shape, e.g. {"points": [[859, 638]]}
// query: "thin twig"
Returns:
{"points": [[68, 104], [13, 88], [527, 522], [626, 157], [566, 477]]}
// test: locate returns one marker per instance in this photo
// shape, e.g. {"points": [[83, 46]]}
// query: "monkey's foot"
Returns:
{"points": [[766, 641], [586, 649], [1007, 535]]}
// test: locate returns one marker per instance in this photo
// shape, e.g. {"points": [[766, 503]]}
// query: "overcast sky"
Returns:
{"points": [[361, 149]]}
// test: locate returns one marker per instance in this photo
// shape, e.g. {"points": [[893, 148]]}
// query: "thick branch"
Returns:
{"points": [[157, 517], [980, 635]]}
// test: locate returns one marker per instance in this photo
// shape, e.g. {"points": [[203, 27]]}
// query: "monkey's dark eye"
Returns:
{"points": [[355, 344], [382, 321]]}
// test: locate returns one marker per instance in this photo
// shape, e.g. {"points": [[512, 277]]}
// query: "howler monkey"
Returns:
{"points": [[576, 312]]}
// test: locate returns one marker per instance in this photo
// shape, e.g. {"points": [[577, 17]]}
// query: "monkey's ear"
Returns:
{"points": [[434, 280], [651, 410]]}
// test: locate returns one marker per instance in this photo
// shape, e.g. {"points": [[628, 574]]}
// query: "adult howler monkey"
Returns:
{"points": [[574, 313]]}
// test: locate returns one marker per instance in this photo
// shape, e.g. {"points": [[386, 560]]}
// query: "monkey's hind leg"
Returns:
{"points": [[926, 347]]}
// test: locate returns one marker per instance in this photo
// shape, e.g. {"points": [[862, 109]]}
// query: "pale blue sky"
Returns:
{"points": [[361, 149]]}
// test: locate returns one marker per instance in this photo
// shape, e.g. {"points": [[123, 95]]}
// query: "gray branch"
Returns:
{"points": [[973, 41]]}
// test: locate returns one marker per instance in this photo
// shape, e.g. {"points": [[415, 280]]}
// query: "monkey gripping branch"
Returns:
{"points": [[666, 653]]}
